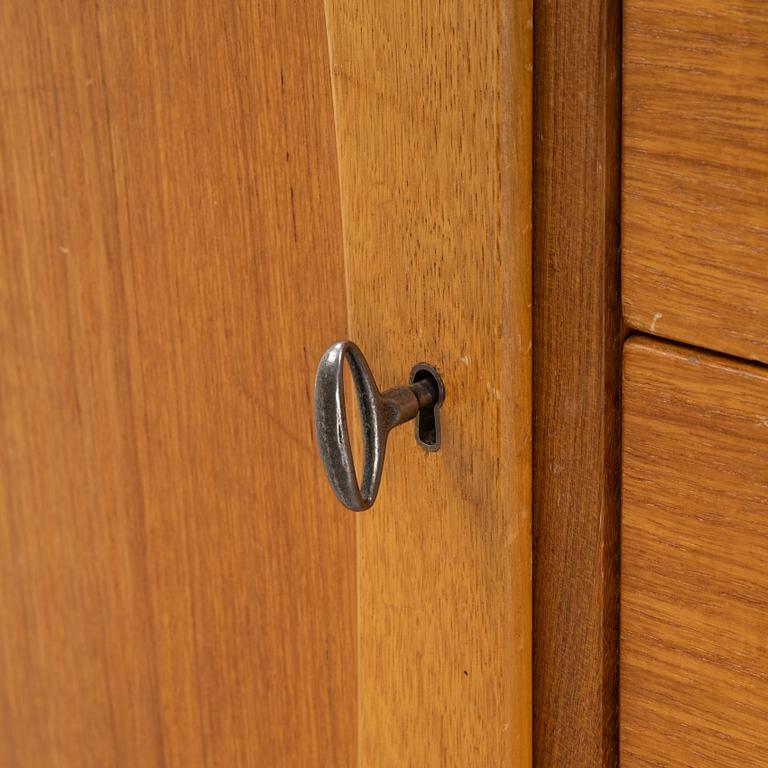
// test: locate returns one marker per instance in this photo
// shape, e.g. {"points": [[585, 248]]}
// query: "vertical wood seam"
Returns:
{"points": [[350, 335]]}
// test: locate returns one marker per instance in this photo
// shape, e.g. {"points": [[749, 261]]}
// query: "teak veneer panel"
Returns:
{"points": [[576, 383], [695, 172], [177, 588], [694, 586], [433, 119]]}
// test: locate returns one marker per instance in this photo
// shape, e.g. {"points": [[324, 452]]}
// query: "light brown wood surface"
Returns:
{"points": [[177, 587], [576, 381], [695, 172], [694, 587], [433, 110]]}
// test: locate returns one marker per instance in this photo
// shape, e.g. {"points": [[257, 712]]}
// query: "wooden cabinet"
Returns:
{"points": [[196, 199]]}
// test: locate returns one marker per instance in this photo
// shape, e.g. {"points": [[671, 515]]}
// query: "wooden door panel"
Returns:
{"points": [[176, 585], [694, 587], [695, 172], [433, 120]]}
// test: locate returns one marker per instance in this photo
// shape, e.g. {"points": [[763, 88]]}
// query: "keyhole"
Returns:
{"points": [[428, 418]]}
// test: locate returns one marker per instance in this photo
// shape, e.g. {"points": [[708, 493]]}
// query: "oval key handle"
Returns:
{"points": [[380, 412]]}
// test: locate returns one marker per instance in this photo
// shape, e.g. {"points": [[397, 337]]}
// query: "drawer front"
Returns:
{"points": [[694, 585], [695, 172]]}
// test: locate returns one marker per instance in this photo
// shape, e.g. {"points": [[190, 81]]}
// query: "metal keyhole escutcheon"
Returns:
{"points": [[380, 412]]}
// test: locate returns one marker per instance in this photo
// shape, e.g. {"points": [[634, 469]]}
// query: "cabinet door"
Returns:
{"points": [[694, 588], [197, 199]]}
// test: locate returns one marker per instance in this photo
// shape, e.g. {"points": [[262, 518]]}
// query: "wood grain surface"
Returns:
{"points": [[695, 172], [694, 588], [177, 587], [576, 383], [433, 111]]}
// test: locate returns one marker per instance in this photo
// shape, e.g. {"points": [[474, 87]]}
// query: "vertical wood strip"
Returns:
{"points": [[433, 109], [576, 387]]}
